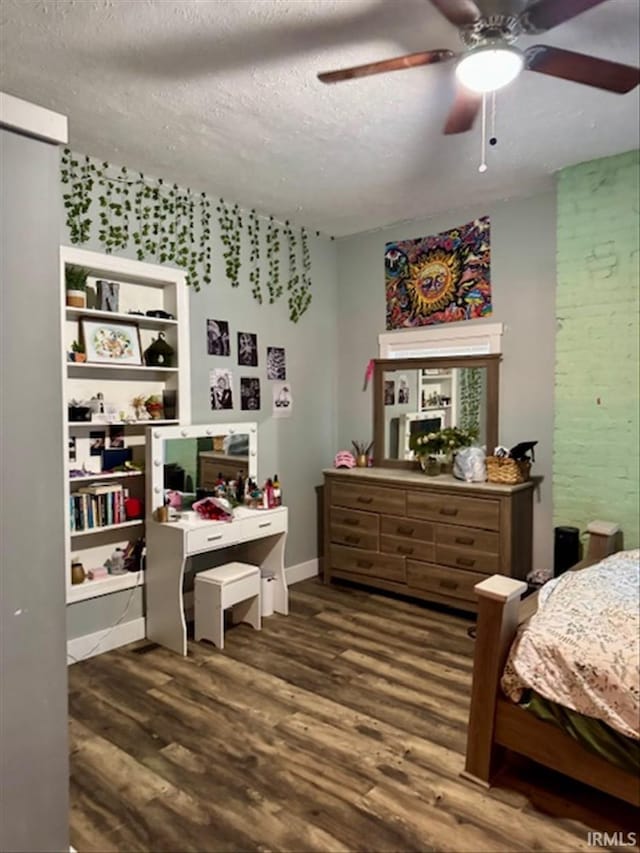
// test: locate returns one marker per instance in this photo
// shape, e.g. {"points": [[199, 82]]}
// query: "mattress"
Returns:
{"points": [[590, 733], [581, 649]]}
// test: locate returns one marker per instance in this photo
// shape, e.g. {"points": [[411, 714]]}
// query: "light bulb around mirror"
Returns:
{"points": [[488, 68]]}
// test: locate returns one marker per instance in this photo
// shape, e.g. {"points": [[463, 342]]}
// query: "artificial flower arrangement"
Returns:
{"points": [[442, 443]]}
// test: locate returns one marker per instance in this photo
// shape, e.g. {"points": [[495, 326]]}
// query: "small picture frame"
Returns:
{"points": [[108, 342]]}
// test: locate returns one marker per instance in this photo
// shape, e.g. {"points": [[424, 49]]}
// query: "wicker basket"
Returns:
{"points": [[507, 471]]}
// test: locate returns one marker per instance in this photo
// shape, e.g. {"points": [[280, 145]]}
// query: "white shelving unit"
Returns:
{"points": [[142, 287]]}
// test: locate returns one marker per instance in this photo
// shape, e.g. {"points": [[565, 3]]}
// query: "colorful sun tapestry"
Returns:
{"points": [[439, 279]]}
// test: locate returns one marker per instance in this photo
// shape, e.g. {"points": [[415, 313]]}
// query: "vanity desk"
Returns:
{"points": [[172, 545]]}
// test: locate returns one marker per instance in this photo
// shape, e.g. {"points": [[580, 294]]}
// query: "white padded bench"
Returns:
{"points": [[234, 585]]}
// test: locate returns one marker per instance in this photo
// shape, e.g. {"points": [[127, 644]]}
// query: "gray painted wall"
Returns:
{"points": [[34, 803], [523, 271], [296, 448]]}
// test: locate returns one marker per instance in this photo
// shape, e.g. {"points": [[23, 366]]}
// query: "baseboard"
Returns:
{"points": [[302, 571], [85, 647], [89, 645]]}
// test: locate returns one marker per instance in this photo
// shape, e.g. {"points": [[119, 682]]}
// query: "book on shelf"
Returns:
{"points": [[97, 506]]}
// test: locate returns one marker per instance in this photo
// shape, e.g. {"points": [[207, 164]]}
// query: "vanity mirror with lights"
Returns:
{"points": [[393, 527], [183, 464]]}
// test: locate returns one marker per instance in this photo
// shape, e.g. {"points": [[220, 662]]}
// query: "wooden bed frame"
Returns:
{"points": [[496, 723]]}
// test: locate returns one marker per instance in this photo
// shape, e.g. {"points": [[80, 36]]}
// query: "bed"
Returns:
{"points": [[539, 691]]}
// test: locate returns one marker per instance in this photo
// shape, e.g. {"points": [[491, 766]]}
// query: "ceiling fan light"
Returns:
{"points": [[488, 68]]}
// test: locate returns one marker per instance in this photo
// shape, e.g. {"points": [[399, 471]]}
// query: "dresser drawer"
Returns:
{"points": [[360, 521], [467, 537], [473, 512], [368, 497], [357, 537], [453, 583], [407, 547], [468, 559], [407, 528], [368, 563], [217, 534]]}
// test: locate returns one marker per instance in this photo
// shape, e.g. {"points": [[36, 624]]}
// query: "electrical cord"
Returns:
{"points": [[111, 629]]}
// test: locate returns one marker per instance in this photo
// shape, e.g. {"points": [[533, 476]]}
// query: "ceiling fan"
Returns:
{"points": [[492, 60]]}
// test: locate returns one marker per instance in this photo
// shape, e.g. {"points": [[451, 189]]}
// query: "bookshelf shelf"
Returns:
{"points": [[104, 586], [91, 531], [141, 287]]}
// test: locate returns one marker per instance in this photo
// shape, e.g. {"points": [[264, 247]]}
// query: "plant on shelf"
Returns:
{"points": [[75, 279], [78, 352], [153, 405]]}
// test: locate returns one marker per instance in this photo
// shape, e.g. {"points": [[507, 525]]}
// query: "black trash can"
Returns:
{"points": [[566, 549]]}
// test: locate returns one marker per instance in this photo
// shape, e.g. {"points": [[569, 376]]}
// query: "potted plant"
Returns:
{"points": [[153, 405], [427, 447], [78, 352], [76, 286]]}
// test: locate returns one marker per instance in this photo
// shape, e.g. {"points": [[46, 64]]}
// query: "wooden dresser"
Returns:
{"points": [[429, 537]]}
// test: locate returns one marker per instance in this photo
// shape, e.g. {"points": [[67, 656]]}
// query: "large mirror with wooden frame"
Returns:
{"points": [[423, 395]]}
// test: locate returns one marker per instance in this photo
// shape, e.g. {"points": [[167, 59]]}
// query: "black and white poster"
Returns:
{"points": [[276, 364], [249, 393], [218, 337], [247, 349], [389, 392], [403, 390], [282, 399], [221, 387]]}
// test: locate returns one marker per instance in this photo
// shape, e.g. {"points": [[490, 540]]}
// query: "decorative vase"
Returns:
{"points": [[430, 466], [77, 573], [446, 466], [362, 461], [77, 298]]}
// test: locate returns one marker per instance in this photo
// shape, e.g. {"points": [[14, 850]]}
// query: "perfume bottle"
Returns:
{"points": [[277, 492]]}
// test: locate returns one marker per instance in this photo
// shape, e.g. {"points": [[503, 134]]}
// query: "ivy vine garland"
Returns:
{"points": [[172, 225]]}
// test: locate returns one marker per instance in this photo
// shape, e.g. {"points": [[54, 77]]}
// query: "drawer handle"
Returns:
{"points": [[364, 564], [447, 510], [464, 561], [363, 500], [265, 524], [404, 531], [214, 538], [404, 550], [352, 540], [352, 522], [465, 540], [446, 584]]}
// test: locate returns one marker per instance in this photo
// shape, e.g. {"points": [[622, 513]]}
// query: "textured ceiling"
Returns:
{"points": [[222, 96]]}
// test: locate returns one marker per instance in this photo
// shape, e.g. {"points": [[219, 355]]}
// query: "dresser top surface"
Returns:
{"points": [[404, 477]]}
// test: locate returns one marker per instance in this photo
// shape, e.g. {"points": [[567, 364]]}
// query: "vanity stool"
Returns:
{"points": [[234, 585]]}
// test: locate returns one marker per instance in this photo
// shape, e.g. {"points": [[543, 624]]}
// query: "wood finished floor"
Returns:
{"points": [[338, 728]]}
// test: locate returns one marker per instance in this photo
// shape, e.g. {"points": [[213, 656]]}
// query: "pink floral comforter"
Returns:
{"points": [[582, 648]]}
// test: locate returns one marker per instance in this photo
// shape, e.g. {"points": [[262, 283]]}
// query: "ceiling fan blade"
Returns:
{"points": [[461, 13], [463, 112], [426, 57], [549, 13], [580, 68]]}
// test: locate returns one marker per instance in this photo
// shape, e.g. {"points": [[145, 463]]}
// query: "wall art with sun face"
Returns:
{"points": [[439, 279]]}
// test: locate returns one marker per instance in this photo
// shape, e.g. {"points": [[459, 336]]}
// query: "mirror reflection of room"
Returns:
{"points": [[423, 401], [194, 466]]}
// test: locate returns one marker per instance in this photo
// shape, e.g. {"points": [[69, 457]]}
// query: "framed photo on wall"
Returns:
{"points": [[111, 343]]}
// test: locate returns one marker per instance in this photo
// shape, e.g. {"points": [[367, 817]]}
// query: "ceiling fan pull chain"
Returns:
{"points": [[493, 139], [483, 148]]}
